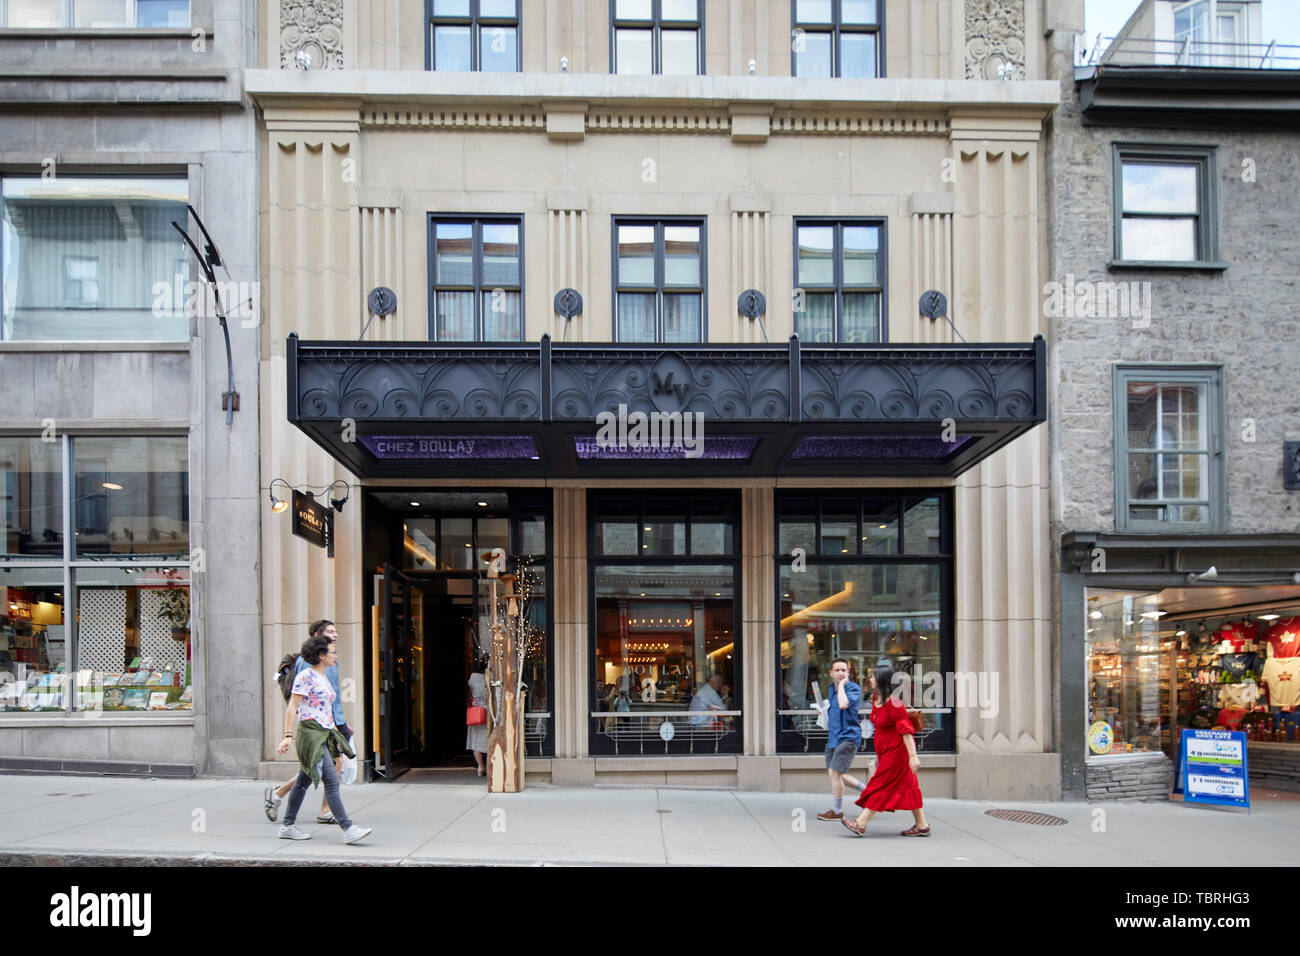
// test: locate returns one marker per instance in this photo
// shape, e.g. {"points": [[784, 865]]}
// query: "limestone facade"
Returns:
{"points": [[354, 159]]}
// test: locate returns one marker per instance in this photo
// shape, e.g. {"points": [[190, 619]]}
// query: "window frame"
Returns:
{"points": [[655, 25], [477, 287], [835, 29], [1207, 199], [68, 18], [72, 564], [941, 564], [659, 288], [1215, 419], [476, 23], [881, 288]]}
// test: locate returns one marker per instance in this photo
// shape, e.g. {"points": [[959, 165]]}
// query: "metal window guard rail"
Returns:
{"points": [[643, 726], [1150, 51], [804, 723]]}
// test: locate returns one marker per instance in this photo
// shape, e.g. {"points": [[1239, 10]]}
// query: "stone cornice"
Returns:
{"points": [[421, 91]]}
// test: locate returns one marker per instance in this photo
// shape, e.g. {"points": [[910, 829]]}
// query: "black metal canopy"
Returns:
{"points": [[426, 410]]}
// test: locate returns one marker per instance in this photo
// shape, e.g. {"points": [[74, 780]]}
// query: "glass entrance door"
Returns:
{"points": [[395, 673]]}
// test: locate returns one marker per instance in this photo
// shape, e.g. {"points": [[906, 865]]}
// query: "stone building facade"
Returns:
{"points": [[130, 500]]}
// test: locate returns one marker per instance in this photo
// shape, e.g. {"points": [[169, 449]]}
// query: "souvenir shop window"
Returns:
{"points": [[1128, 674], [33, 640], [1241, 672], [133, 640]]}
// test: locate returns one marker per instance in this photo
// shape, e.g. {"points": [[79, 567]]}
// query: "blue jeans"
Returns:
{"points": [[330, 778]]}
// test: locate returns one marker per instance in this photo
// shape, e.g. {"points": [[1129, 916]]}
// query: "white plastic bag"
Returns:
{"points": [[349, 772]]}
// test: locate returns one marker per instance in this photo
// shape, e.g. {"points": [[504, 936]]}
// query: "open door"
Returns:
{"points": [[394, 673]]}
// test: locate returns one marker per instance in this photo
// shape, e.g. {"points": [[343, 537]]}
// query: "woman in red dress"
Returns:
{"points": [[894, 785]]}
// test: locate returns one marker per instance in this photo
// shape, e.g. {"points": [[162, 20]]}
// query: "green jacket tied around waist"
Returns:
{"points": [[311, 740]]}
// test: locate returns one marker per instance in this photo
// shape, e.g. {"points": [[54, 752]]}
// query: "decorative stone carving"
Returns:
{"points": [[995, 39], [314, 28]]}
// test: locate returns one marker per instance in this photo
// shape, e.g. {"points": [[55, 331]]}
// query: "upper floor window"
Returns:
{"points": [[836, 38], [95, 14], [473, 35], [1168, 459], [838, 281], [1212, 30], [94, 258], [659, 276], [658, 36], [477, 293], [1164, 205]]}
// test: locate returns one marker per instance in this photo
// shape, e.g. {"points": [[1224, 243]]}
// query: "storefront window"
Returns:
{"points": [[127, 646], [1128, 673], [849, 593], [133, 639], [31, 473], [33, 640], [666, 631], [131, 495]]}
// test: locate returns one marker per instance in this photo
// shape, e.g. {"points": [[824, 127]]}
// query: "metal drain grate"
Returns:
{"points": [[1026, 816]]}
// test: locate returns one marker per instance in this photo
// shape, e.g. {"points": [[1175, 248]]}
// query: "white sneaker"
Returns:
{"points": [[293, 833], [355, 834]]}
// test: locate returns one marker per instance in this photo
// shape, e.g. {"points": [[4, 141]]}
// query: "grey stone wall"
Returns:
{"points": [[120, 100], [1144, 777], [1244, 318]]}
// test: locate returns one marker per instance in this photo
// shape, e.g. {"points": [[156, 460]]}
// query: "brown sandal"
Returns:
{"points": [[852, 827], [915, 831]]}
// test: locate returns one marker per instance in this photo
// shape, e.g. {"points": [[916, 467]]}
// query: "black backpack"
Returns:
{"points": [[284, 675]]}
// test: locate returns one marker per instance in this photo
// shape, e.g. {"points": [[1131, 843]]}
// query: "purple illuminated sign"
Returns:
{"points": [[872, 447], [719, 448], [450, 448]]}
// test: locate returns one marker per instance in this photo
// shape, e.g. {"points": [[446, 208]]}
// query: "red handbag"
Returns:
{"points": [[475, 716]]}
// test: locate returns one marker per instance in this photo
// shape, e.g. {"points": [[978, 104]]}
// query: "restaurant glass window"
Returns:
{"points": [[867, 593], [93, 258], [665, 626], [1128, 673]]}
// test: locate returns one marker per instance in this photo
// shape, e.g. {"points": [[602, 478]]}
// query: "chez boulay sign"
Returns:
{"points": [[313, 521]]}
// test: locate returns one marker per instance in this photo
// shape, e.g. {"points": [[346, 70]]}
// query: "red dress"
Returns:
{"points": [[894, 785]]}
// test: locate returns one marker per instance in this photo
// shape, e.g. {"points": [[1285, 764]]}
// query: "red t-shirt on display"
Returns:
{"points": [[1238, 634], [1284, 638], [1230, 717]]}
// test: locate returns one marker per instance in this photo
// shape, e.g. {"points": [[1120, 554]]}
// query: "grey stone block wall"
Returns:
{"points": [[1145, 777], [1243, 318]]}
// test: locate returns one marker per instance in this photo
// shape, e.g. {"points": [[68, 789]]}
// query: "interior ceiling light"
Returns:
{"points": [[112, 486], [1095, 615]]}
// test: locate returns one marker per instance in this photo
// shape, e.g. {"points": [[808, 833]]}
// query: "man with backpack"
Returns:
{"points": [[290, 667]]}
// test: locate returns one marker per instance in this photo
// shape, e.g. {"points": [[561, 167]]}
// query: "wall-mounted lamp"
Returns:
{"points": [[279, 504], [338, 503]]}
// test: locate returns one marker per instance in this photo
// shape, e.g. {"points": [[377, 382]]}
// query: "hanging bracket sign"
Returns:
{"points": [[313, 521]]}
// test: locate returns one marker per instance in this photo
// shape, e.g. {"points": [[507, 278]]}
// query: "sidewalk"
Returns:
{"points": [[71, 820]]}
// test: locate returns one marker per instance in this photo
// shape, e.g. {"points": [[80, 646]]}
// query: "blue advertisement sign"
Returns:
{"points": [[1213, 768]]}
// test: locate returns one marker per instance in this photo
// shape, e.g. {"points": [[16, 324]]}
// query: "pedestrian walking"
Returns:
{"points": [[843, 736], [894, 785], [476, 734], [273, 798], [318, 741]]}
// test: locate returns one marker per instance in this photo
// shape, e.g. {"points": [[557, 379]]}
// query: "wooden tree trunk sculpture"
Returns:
{"points": [[505, 744]]}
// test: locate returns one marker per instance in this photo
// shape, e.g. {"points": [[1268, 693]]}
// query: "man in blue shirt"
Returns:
{"points": [[843, 735], [273, 797]]}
